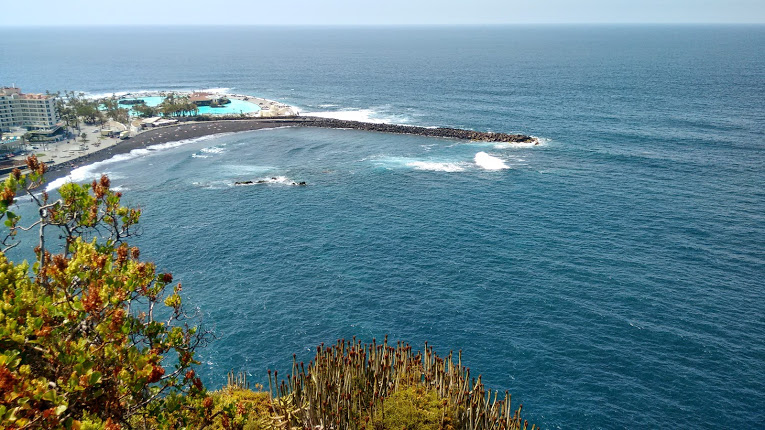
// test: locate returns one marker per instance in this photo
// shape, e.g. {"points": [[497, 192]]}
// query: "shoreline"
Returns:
{"points": [[183, 131], [196, 129]]}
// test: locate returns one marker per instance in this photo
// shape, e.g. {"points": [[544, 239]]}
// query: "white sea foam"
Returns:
{"points": [[488, 162], [214, 185], [87, 173], [436, 167], [417, 164], [106, 94], [236, 170], [515, 145], [269, 180], [363, 115], [94, 96], [89, 95], [278, 180], [222, 90], [95, 170], [212, 150]]}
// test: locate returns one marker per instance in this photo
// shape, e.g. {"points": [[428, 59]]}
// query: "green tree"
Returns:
{"points": [[174, 105], [77, 106], [91, 336], [26, 138], [114, 111], [66, 110], [145, 111]]}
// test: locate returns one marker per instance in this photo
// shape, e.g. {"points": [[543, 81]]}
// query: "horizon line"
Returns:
{"points": [[178, 25]]}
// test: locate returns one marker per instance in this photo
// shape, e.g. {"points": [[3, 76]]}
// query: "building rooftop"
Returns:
{"points": [[199, 97], [15, 91]]}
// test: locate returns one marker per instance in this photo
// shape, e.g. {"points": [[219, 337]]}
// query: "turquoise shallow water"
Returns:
{"points": [[235, 107], [609, 278]]}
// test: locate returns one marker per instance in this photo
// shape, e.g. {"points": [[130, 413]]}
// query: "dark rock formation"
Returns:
{"points": [[454, 133], [263, 181], [131, 102]]}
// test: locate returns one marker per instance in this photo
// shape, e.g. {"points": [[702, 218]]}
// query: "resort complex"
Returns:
{"points": [[65, 127], [31, 111]]}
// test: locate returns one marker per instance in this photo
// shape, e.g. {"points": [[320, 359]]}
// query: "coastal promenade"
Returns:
{"points": [[195, 129]]}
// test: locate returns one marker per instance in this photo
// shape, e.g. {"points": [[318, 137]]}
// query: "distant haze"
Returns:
{"points": [[388, 12]]}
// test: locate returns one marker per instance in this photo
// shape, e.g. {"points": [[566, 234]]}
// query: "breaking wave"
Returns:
{"points": [[540, 141], [418, 164], [95, 170], [436, 167], [106, 94], [362, 115], [488, 162], [207, 152]]}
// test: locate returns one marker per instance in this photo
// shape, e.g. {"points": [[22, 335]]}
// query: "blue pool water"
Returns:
{"points": [[611, 277], [233, 108]]}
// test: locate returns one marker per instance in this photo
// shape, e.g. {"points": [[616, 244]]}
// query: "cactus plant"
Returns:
{"points": [[347, 384]]}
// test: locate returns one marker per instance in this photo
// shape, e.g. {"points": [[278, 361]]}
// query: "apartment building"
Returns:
{"points": [[35, 112]]}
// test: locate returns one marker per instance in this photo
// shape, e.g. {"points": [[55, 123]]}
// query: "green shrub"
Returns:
{"points": [[96, 337], [414, 408]]}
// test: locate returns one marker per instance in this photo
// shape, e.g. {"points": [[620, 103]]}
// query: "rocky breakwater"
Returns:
{"points": [[454, 133]]}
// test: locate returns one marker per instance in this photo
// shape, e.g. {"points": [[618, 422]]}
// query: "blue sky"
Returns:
{"points": [[385, 12]]}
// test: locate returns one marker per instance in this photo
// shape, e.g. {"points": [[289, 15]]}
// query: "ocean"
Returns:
{"points": [[610, 277]]}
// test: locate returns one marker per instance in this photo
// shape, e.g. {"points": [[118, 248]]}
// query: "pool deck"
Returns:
{"points": [[268, 108]]}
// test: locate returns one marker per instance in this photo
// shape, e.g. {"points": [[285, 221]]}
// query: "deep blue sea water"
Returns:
{"points": [[611, 277]]}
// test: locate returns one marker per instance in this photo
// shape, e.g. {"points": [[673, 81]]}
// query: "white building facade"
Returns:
{"points": [[31, 111]]}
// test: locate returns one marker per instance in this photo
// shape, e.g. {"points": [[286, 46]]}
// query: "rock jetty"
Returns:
{"points": [[454, 133]]}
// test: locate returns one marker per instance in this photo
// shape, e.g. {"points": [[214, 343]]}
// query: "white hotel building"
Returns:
{"points": [[35, 112]]}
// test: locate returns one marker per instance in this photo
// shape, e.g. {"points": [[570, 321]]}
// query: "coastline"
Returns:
{"points": [[267, 108], [188, 130], [195, 129]]}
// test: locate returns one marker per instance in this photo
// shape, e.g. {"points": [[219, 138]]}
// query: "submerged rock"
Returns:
{"points": [[265, 181]]}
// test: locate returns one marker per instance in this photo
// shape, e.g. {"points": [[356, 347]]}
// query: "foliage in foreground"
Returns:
{"points": [[351, 385], [93, 337], [367, 386]]}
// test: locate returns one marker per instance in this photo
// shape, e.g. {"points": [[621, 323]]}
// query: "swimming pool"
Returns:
{"points": [[233, 108]]}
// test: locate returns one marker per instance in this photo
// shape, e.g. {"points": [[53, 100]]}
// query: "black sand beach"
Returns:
{"points": [[164, 135]]}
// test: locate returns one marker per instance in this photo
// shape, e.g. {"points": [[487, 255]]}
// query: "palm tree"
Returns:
{"points": [[190, 107], [168, 105]]}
